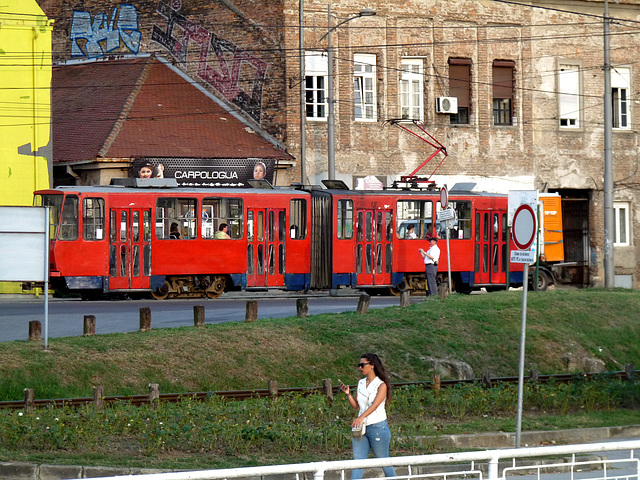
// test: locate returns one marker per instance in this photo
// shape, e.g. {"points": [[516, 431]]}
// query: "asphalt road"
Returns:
{"points": [[66, 317]]}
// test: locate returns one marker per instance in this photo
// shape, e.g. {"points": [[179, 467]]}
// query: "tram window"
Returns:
{"points": [[281, 257], [113, 261], [379, 258], [271, 260], [123, 261], [477, 228], [147, 260], [176, 210], [496, 227], [360, 227], [135, 226], [388, 258], [359, 258], [389, 220], [485, 227], [298, 219], [504, 227], [54, 202], [504, 257], [146, 226], [496, 258], [368, 258], [462, 227], [260, 226], [69, 219], [93, 218], [379, 229], [250, 259], [282, 225], [345, 219], [113, 231], [416, 213], [135, 256], [250, 226], [271, 226], [123, 226], [485, 257], [218, 210], [369, 227], [476, 262], [260, 259]]}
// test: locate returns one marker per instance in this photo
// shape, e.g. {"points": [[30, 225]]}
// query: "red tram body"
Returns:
{"points": [[165, 241]]}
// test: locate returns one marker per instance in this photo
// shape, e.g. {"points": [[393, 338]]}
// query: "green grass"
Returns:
{"points": [[564, 327]]}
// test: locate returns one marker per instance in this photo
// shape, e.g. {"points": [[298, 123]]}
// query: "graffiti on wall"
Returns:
{"points": [[222, 64], [105, 34]]}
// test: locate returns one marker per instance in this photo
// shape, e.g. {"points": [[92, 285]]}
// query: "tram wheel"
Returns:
{"points": [[216, 288], [395, 291], [162, 292]]}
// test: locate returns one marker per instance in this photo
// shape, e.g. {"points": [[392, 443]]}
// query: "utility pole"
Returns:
{"points": [[609, 221]]}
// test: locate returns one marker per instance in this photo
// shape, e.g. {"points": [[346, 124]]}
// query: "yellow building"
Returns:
{"points": [[25, 103]]}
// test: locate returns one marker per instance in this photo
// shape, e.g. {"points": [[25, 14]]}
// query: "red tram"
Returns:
{"points": [[168, 241]]}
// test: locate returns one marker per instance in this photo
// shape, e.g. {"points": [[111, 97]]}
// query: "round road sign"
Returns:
{"points": [[444, 197], [524, 227]]}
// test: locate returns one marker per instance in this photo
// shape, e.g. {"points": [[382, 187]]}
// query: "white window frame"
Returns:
{"points": [[316, 72], [569, 96], [412, 89], [622, 226], [364, 87], [621, 97]]}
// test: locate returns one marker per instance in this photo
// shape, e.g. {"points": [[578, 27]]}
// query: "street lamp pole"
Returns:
{"points": [[331, 120]]}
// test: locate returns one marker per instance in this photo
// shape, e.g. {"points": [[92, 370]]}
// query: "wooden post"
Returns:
{"points": [[154, 394], [533, 376], [98, 397], [198, 315], [363, 303], [29, 400], [145, 319], [486, 379], [35, 330], [302, 307], [273, 388], [436, 383], [327, 389], [252, 311], [629, 371], [89, 325], [405, 297]]}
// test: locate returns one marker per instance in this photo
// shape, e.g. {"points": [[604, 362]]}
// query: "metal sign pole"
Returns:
{"points": [[47, 243], [523, 330], [449, 259]]}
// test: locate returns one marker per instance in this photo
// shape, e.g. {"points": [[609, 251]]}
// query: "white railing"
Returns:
{"points": [[535, 461]]}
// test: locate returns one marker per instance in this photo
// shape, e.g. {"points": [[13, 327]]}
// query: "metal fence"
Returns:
{"points": [[595, 461]]}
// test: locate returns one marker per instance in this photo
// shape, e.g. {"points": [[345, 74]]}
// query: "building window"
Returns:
{"points": [[411, 89], [621, 211], [460, 87], [503, 92], [316, 69], [364, 86], [620, 83], [569, 96]]}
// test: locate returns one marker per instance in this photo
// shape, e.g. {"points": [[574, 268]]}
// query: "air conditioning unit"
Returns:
{"points": [[446, 105]]}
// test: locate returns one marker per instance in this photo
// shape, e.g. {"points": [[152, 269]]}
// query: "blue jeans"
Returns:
{"points": [[376, 438]]}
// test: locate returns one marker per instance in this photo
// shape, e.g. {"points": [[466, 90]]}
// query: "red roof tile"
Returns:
{"points": [[140, 107]]}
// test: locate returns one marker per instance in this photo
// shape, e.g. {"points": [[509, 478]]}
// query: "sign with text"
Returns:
{"points": [[522, 215]]}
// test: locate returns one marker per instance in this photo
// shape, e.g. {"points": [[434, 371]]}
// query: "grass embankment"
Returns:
{"points": [[564, 327]]}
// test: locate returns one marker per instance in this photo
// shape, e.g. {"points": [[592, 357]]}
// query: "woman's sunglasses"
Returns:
{"points": [[362, 365]]}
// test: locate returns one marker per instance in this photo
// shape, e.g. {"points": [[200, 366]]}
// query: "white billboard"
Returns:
{"points": [[23, 244]]}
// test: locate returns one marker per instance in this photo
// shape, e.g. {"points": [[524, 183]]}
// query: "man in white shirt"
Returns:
{"points": [[431, 258]]}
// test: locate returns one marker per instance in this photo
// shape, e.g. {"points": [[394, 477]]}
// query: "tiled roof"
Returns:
{"points": [[140, 107]]}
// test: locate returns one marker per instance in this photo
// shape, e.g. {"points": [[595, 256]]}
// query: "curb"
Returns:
{"points": [[30, 471]]}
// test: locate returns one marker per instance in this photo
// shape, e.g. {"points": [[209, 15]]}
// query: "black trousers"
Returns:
{"points": [[432, 283]]}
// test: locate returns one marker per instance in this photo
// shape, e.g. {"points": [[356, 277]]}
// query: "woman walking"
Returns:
{"points": [[374, 390]]}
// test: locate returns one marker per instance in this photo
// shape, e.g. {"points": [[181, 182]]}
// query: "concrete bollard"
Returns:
{"points": [[35, 330], [252, 311], [89, 325], [98, 397], [302, 307], [198, 315], [273, 388], [363, 303], [29, 400], [145, 319], [405, 297], [154, 394]]}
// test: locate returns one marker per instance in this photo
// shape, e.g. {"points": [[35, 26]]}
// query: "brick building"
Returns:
{"points": [[528, 81]]}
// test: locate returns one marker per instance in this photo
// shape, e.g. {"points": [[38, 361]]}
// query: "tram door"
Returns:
{"points": [[490, 247], [374, 246], [266, 234], [129, 249]]}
